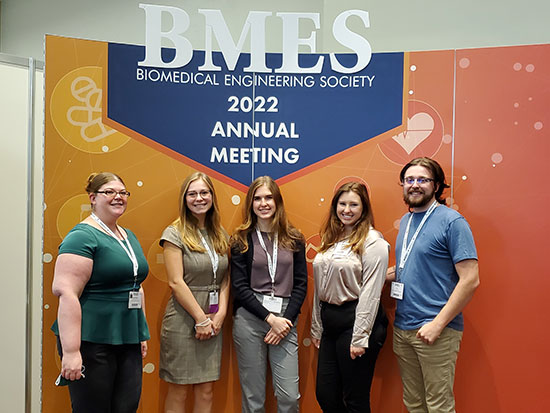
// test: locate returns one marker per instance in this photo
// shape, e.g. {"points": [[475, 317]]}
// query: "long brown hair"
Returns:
{"points": [[288, 235], [332, 230], [188, 225]]}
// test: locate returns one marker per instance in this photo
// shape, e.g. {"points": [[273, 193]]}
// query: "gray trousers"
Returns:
{"points": [[252, 354]]}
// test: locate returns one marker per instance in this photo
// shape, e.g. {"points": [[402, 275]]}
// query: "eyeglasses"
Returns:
{"points": [[204, 194], [111, 193], [409, 180]]}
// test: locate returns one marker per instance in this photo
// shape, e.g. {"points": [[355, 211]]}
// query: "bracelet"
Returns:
{"points": [[204, 323]]}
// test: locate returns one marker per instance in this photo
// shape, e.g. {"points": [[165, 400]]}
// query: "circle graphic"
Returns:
{"points": [[76, 111], [464, 63], [149, 368], [73, 211], [351, 178], [312, 247], [155, 258], [423, 135], [497, 157], [235, 199], [396, 223]]}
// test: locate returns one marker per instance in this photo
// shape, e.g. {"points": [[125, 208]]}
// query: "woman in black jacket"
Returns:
{"points": [[269, 280]]}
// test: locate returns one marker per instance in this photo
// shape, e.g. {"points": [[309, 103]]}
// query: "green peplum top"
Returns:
{"points": [[106, 318]]}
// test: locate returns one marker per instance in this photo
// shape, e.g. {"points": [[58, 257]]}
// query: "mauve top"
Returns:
{"points": [[260, 280]]}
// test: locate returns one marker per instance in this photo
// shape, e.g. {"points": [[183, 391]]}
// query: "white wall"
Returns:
{"points": [[396, 25], [20, 253], [13, 213], [37, 223]]}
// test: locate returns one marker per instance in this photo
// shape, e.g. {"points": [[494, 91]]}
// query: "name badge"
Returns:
{"points": [[397, 289], [273, 304], [213, 302], [134, 301], [340, 254]]}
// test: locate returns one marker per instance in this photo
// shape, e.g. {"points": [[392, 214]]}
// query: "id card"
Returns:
{"points": [[134, 301], [397, 289], [273, 304], [213, 302], [62, 381], [339, 256]]}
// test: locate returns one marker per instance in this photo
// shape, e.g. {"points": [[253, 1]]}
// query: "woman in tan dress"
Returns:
{"points": [[195, 255]]}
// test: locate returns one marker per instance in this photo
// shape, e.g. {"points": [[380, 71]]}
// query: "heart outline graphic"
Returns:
{"points": [[419, 128]]}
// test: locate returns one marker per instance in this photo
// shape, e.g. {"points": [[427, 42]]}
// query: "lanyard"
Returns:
{"points": [[214, 259], [271, 263], [339, 248], [127, 249], [406, 249]]}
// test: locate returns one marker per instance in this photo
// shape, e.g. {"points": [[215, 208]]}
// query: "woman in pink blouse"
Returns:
{"points": [[348, 323]]}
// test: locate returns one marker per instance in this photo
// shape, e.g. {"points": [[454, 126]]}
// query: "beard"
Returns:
{"points": [[413, 199]]}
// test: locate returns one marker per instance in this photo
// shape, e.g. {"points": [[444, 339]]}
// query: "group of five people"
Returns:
{"points": [[101, 317]]}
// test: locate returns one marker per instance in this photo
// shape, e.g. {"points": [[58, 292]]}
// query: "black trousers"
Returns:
{"points": [[112, 382], [343, 384]]}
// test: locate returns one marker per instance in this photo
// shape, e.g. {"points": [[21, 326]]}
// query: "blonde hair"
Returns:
{"points": [[188, 225], [332, 230], [288, 235]]}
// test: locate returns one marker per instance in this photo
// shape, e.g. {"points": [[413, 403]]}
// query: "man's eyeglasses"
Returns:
{"points": [[111, 193], [409, 180], [203, 194]]}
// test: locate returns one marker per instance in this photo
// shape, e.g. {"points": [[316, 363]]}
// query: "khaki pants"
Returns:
{"points": [[427, 371]]}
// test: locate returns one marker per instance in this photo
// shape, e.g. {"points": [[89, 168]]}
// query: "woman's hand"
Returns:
{"points": [[203, 330], [280, 325], [356, 352], [272, 338], [144, 348], [217, 321], [71, 365], [316, 342], [390, 274]]}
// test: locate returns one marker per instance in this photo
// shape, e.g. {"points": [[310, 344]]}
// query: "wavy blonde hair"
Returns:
{"points": [[288, 235], [188, 225], [332, 229]]}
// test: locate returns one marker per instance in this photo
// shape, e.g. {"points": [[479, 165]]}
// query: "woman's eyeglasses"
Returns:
{"points": [[203, 194], [111, 193]]}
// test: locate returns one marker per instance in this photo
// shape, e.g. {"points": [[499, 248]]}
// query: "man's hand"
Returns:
{"points": [[429, 332]]}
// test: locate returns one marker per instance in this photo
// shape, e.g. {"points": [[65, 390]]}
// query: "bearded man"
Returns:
{"points": [[435, 276]]}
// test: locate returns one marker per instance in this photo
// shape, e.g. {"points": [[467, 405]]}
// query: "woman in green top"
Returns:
{"points": [[101, 324]]}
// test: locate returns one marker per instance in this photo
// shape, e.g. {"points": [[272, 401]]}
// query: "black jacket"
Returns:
{"points": [[243, 295]]}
